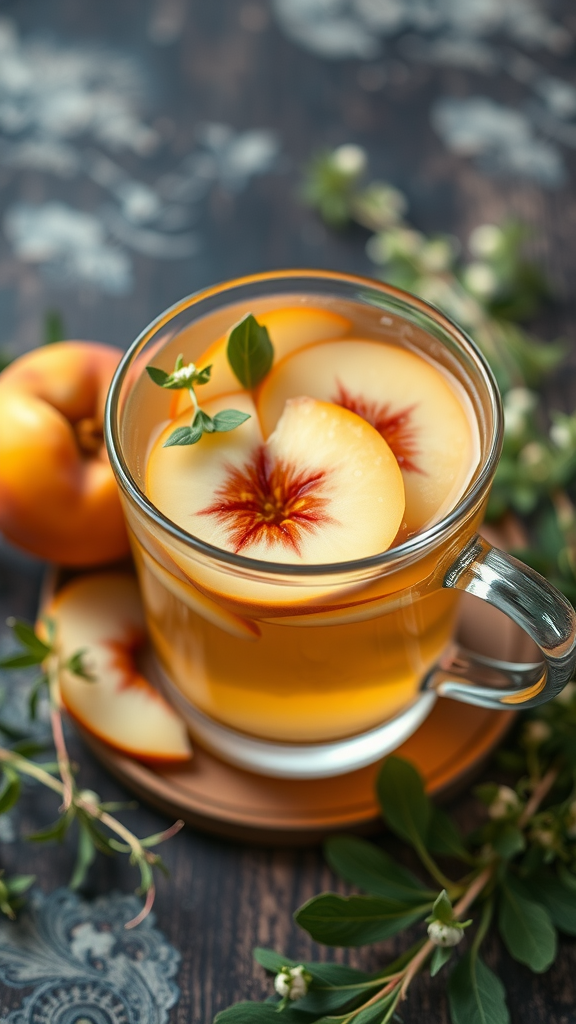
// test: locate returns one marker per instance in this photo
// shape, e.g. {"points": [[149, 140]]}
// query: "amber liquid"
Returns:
{"points": [[310, 674]]}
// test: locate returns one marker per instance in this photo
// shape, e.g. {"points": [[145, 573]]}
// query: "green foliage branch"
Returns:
{"points": [[98, 830]]}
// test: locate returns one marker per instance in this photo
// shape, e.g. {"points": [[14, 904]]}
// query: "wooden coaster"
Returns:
{"points": [[448, 749]]}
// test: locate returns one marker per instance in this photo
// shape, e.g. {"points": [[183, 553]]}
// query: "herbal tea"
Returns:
{"points": [[319, 435]]}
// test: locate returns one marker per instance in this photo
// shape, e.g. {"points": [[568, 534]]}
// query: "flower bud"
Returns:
{"points": [[536, 732], [444, 934], [185, 374], [505, 803], [485, 241], [545, 837], [350, 160], [481, 280], [292, 982]]}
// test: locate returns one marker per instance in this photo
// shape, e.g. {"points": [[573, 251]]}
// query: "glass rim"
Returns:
{"points": [[402, 552]]}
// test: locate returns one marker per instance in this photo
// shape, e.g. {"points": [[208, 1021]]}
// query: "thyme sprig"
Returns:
{"points": [[97, 827]]}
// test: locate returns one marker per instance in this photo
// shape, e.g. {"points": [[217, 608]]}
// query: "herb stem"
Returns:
{"points": [[26, 767], [194, 401], [64, 767], [474, 890], [539, 794]]}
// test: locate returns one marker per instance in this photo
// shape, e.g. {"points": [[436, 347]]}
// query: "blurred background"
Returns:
{"points": [[151, 147]]}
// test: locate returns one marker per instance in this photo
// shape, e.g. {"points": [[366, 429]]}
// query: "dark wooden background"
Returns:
{"points": [[231, 63]]}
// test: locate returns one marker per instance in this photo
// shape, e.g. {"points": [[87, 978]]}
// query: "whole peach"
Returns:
{"points": [[58, 496]]}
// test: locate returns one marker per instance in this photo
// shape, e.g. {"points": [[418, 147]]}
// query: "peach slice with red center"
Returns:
{"points": [[290, 328], [101, 615], [422, 413], [324, 488]]}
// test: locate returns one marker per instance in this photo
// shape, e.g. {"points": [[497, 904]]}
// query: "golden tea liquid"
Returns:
{"points": [[287, 659]]}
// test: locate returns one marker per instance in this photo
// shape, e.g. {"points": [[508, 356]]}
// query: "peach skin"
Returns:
{"points": [[58, 496]]}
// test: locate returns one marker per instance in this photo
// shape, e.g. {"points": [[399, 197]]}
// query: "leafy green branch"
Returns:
{"points": [[98, 829], [492, 290], [515, 873]]}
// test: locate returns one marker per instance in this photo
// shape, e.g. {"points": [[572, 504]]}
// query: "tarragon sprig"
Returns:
{"points": [[77, 805], [250, 354]]}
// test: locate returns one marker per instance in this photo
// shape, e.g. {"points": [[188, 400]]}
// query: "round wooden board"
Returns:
{"points": [[448, 749]]}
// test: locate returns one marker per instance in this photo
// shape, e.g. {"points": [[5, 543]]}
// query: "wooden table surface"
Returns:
{"points": [[196, 76]]}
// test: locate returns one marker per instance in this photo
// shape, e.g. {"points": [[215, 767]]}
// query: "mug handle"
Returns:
{"points": [[536, 606]]}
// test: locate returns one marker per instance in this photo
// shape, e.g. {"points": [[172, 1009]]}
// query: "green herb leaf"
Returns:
{"points": [[40, 684], [366, 865], [443, 836], [525, 927], [157, 375], [250, 352], [229, 419], [356, 920], [475, 994], [508, 840], [405, 806], [76, 664], [184, 436], [259, 1013], [11, 789], [57, 830], [442, 909], [85, 857], [440, 956], [202, 419], [21, 661], [324, 973], [203, 375], [559, 900], [19, 884]]}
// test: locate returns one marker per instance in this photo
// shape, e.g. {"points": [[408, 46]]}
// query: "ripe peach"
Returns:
{"points": [[101, 614], [58, 496]]}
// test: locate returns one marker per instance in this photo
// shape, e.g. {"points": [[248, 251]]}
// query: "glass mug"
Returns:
{"points": [[305, 671]]}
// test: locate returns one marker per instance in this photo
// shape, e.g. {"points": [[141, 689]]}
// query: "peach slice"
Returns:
{"points": [[188, 593], [419, 409], [101, 614], [324, 488], [290, 329]]}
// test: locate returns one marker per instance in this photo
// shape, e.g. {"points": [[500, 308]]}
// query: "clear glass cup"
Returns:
{"points": [[309, 671]]}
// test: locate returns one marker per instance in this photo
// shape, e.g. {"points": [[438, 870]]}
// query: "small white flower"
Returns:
{"points": [[436, 256], [536, 732], [350, 160], [561, 435], [535, 456], [444, 934], [485, 241], [505, 803], [544, 837], [566, 696], [481, 280], [185, 374], [88, 796], [521, 400], [292, 982]]}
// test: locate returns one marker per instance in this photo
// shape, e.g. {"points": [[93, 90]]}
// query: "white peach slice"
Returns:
{"points": [[423, 414], [188, 593], [101, 615], [290, 328], [324, 488]]}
